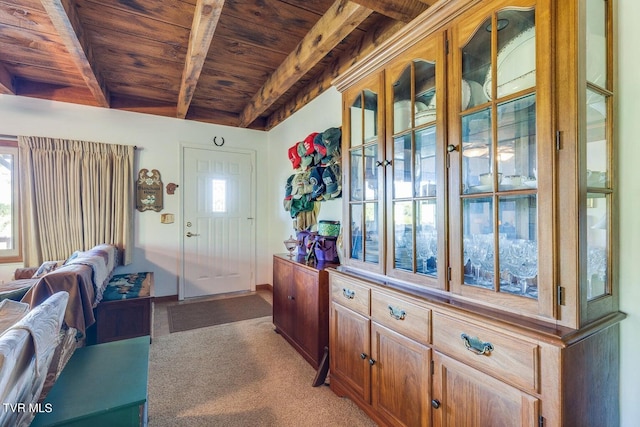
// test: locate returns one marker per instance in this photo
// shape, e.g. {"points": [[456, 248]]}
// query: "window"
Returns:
{"points": [[9, 203]]}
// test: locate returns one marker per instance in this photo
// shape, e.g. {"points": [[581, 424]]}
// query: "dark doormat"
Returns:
{"points": [[183, 317]]}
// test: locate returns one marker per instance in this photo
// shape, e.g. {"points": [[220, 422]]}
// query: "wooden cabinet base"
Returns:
{"points": [[125, 318], [300, 306]]}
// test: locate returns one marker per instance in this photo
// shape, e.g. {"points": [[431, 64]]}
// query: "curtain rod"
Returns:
{"points": [[15, 138]]}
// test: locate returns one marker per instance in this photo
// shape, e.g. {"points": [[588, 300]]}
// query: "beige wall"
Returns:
{"points": [[629, 185]]}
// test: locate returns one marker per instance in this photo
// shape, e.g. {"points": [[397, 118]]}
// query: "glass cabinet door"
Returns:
{"points": [[598, 150], [415, 173], [363, 156], [495, 159]]}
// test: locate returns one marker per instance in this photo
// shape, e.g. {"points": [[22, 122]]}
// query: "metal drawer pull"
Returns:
{"points": [[348, 293], [476, 346], [397, 313]]}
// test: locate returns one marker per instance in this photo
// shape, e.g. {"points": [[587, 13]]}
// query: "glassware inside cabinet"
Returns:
{"points": [[426, 237], [478, 242], [403, 235], [518, 245], [597, 244]]}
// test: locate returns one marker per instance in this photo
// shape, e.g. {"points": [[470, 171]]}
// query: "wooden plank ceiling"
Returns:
{"points": [[242, 63]]}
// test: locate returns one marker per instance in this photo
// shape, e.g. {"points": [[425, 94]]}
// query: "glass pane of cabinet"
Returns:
{"points": [[415, 168], [363, 177], [598, 152], [477, 152], [499, 155], [596, 68]]}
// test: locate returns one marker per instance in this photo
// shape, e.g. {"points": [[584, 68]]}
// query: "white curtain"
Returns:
{"points": [[75, 195]]}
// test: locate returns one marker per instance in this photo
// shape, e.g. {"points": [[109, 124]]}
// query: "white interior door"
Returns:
{"points": [[217, 222]]}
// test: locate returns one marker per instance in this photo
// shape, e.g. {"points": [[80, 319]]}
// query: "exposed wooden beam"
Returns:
{"points": [[341, 18], [205, 20], [66, 20], [54, 92], [400, 10], [367, 43], [6, 82]]}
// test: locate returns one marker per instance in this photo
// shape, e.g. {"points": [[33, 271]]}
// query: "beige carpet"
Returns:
{"points": [[239, 374], [183, 317]]}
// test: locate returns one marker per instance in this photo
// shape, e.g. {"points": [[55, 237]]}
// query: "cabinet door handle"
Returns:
{"points": [[348, 293], [397, 313], [372, 362], [476, 346], [291, 297], [435, 403], [363, 356]]}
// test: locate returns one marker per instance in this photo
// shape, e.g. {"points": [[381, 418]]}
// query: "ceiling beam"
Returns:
{"points": [[341, 18], [65, 19], [400, 10], [205, 20], [384, 29], [6, 82]]}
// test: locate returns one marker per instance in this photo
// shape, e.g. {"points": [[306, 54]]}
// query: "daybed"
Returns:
{"points": [[82, 279], [27, 348]]}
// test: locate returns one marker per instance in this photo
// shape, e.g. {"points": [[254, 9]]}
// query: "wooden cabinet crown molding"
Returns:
{"points": [[441, 13]]}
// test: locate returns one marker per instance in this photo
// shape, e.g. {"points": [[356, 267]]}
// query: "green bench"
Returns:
{"points": [[102, 385]]}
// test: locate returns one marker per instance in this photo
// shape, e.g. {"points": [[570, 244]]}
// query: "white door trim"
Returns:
{"points": [[252, 248]]}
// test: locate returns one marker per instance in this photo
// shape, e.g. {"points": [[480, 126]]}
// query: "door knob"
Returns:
{"points": [[190, 234]]}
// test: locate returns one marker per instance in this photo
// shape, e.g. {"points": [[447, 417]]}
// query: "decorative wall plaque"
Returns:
{"points": [[149, 191]]}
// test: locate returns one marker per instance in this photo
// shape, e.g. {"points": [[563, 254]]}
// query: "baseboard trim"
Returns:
{"points": [[166, 298], [264, 287]]}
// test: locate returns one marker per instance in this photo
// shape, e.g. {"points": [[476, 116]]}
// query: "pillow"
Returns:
{"points": [[72, 257], [46, 267]]}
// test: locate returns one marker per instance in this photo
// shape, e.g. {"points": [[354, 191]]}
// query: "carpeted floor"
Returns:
{"points": [[216, 312], [239, 374]]}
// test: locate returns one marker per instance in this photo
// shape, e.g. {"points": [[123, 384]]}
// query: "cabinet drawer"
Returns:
{"points": [[350, 294], [504, 357], [402, 316]]}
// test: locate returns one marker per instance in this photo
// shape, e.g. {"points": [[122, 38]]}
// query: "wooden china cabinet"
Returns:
{"points": [[479, 278]]}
